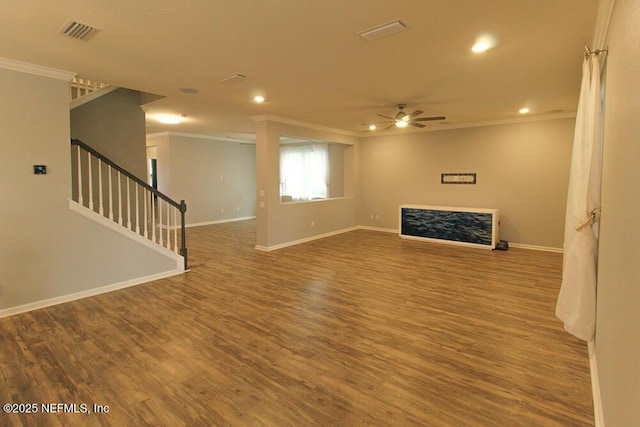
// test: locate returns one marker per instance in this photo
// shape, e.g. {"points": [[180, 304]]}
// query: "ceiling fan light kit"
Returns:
{"points": [[402, 119]]}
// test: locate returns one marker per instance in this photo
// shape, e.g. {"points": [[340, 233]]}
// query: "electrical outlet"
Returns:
{"points": [[313, 223], [370, 216], [223, 210], [377, 217]]}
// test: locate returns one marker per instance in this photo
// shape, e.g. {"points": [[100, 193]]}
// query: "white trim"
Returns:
{"points": [[380, 229], [91, 96], [85, 294], [106, 222], [38, 70], [327, 199], [243, 141], [513, 245], [369, 228], [157, 134], [595, 386], [220, 221], [434, 128], [494, 225], [312, 126], [536, 247], [214, 137], [305, 240]]}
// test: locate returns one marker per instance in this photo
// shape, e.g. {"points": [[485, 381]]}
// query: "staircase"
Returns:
{"points": [[109, 190]]}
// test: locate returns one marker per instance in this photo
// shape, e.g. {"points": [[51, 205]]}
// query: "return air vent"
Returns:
{"points": [[79, 30], [384, 30], [233, 78]]}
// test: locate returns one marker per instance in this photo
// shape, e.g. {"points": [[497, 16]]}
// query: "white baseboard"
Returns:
{"points": [[305, 240], [595, 386], [536, 248], [88, 293], [370, 228], [383, 230], [124, 231], [220, 221]]}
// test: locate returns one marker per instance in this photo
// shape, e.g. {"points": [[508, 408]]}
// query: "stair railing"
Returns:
{"points": [[108, 189], [79, 87]]}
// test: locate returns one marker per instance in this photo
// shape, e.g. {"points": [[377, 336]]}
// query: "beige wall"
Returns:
{"points": [[210, 175], [522, 170], [336, 168], [46, 250], [617, 342], [279, 223], [114, 125]]}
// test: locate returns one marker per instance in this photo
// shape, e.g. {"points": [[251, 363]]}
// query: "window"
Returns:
{"points": [[304, 171]]}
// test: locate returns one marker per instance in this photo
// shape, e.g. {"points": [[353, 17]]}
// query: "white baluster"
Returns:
{"points": [[80, 198], [110, 195], [153, 219], [100, 202], [160, 241], [128, 205], [90, 180], [137, 210], [119, 198], [168, 226], [175, 229], [146, 218]]}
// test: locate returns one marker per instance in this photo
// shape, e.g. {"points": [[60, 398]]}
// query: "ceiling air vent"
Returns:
{"points": [[233, 78], [384, 30], [78, 30]]}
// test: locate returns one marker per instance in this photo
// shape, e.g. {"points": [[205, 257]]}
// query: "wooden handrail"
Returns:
{"points": [[180, 206]]}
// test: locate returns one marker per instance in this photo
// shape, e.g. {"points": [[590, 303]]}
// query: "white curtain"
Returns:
{"points": [[304, 171], [576, 305]]}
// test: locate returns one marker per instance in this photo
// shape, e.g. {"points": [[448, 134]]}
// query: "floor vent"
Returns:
{"points": [[78, 30]]}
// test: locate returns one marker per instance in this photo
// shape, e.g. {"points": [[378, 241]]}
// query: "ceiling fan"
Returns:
{"points": [[403, 119]]}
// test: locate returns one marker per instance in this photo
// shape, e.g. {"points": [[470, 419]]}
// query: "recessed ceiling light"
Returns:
{"points": [[483, 43], [258, 98], [169, 119], [523, 110], [372, 127]]}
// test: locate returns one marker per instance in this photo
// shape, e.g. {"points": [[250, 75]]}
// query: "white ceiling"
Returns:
{"points": [[307, 59]]}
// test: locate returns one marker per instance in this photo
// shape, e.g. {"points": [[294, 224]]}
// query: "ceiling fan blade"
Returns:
{"points": [[416, 113], [390, 126], [375, 123], [378, 123], [429, 119], [385, 117], [418, 125]]}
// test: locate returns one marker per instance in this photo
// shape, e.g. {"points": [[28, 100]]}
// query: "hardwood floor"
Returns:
{"points": [[362, 328]]}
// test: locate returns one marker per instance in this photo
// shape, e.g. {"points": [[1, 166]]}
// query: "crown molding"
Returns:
{"points": [[525, 119], [313, 126], [199, 136], [38, 70]]}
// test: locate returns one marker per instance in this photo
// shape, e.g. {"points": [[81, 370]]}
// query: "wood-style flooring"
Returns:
{"points": [[362, 328]]}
